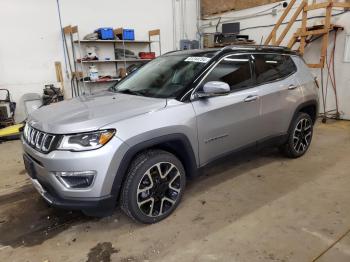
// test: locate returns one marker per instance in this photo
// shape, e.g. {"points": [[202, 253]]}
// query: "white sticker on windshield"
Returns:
{"points": [[197, 59]]}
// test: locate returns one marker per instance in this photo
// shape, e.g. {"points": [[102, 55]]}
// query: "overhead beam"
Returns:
{"points": [[210, 7], [317, 6]]}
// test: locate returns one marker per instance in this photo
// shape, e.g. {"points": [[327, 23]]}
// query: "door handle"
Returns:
{"points": [[251, 98], [291, 87]]}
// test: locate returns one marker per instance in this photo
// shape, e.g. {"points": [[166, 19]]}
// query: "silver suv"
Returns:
{"points": [[138, 142]]}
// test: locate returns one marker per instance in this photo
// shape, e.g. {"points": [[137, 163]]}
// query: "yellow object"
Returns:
{"points": [[10, 130]]}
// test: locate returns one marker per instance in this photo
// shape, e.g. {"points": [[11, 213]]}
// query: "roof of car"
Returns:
{"points": [[238, 48]]}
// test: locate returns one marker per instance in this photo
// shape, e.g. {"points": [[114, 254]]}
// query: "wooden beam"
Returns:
{"points": [[292, 41], [315, 65], [67, 29], [74, 29], [313, 32], [317, 6], [59, 74], [326, 36], [273, 40], [154, 32], [291, 22], [279, 22], [303, 32], [342, 4]]}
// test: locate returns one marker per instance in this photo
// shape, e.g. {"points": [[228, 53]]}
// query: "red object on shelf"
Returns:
{"points": [[147, 55]]}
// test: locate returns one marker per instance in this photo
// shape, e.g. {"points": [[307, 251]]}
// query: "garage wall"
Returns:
{"points": [[254, 18], [31, 40]]}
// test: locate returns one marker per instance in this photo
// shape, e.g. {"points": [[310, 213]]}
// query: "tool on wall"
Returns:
{"points": [[68, 32]]}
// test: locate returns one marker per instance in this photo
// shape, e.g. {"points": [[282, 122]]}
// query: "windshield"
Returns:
{"points": [[164, 77]]}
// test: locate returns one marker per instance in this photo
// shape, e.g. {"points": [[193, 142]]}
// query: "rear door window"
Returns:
{"points": [[271, 67], [234, 70]]}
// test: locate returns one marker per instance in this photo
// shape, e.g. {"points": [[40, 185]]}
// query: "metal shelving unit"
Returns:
{"points": [[81, 66]]}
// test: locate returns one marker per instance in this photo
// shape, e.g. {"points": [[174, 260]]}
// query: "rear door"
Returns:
{"points": [[228, 122], [279, 90]]}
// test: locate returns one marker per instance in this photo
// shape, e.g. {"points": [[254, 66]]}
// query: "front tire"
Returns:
{"points": [[299, 136], [153, 187]]}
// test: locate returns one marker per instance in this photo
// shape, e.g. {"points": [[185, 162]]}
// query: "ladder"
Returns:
{"points": [[307, 34]]}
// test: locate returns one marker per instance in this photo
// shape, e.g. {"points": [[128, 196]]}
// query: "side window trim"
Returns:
{"points": [[252, 72], [252, 66]]}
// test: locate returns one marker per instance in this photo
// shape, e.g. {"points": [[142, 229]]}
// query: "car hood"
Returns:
{"points": [[89, 113]]}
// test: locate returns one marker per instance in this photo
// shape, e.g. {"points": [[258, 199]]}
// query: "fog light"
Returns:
{"points": [[76, 179]]}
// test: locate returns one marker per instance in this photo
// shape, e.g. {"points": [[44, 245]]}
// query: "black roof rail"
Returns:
{"points": [[279, 49], [256, 47]]}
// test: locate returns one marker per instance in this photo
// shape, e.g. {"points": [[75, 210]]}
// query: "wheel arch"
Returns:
{"points": [[177, 144], [310, 107]]}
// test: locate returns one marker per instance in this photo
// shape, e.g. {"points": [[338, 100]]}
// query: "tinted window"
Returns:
{"points": [[233, 70], [270, 67]]}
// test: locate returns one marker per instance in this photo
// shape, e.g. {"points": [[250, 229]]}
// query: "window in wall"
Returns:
{"points": [[270, 67], [347, 49], [233, 70]]}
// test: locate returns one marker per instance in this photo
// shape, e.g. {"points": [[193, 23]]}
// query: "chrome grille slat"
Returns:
{"points": [[43, 142], [32, 137], [39, 140]]}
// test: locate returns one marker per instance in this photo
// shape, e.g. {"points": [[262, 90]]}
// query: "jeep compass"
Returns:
{"points": [[136, 143]]}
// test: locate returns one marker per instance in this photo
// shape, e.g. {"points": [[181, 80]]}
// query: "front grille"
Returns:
{"points": [[39, 140]]}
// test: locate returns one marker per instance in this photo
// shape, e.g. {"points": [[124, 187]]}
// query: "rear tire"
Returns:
{"points": [[153, 187], [299, 136]]}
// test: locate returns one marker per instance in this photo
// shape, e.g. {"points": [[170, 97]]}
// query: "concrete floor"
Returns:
{"points": [[258, 207]]}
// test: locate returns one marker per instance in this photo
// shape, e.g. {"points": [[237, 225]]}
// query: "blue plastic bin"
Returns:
{"points": [[128, 34], [105, 33]]}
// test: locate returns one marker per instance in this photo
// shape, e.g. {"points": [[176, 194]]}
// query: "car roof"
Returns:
{"points": [[238, 48]]}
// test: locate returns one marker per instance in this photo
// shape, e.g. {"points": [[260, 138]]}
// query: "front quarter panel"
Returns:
{"points": [[176, 118]]}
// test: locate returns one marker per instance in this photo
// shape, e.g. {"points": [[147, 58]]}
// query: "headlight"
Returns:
{"points": [[86, 141]]}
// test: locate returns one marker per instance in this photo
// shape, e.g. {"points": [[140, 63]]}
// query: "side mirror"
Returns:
{"points": [[214, 88]]}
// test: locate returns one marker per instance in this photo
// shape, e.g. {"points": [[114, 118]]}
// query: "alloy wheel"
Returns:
{"points": [[302, 135], [159, 189]]}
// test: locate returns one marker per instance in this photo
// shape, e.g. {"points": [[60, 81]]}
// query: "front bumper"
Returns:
{"points": [[105, 161], [51, 197]]}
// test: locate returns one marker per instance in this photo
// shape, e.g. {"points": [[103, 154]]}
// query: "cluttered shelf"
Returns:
{"points": [[115, 60], [89, 65], [114, 41]]}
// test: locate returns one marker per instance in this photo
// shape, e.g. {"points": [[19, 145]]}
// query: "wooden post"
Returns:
{"points": [[303, 31], [273, 40], [326, 35]]}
